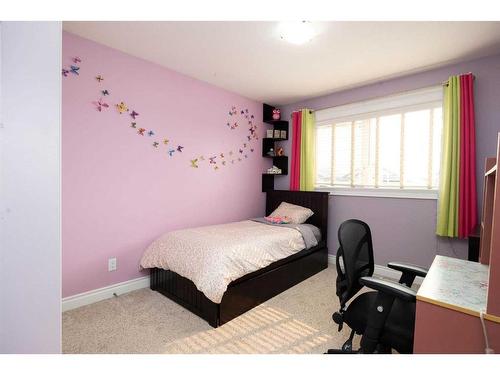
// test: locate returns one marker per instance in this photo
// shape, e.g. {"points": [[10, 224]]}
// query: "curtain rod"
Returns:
{"points": [[445, 83], [310, 112]]}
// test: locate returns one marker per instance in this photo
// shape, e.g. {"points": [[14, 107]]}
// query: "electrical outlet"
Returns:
{"points": [[111, 264]]}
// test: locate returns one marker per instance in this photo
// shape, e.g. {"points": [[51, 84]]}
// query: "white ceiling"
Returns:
{"points": [[249, 58]]}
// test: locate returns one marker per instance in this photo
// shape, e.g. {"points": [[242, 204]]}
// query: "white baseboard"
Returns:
{"points": [[381, 271], [96, 295]]}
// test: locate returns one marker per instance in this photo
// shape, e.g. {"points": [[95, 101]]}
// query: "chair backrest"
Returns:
{"points": [[354, 258]]}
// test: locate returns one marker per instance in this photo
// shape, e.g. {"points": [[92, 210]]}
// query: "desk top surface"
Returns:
{"points": [[456, 283]]}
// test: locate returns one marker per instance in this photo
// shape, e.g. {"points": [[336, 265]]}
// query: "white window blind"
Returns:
{"points": [[391, 143]]}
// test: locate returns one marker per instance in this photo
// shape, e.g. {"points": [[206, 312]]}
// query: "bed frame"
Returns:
{"points": [[252, 289]]}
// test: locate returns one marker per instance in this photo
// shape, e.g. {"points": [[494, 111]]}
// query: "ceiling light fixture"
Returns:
{"points": [[296, 32]]}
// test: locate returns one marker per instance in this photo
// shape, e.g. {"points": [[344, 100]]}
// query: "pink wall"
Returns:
{"points": [[119, 192]]}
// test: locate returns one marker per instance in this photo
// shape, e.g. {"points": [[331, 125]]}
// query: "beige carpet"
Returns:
{"points": [[296, 321]]}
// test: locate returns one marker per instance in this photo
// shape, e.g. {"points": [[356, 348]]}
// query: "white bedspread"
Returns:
{"points": [[213, 256]]}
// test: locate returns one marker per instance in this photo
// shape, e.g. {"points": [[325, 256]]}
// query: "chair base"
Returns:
{"points": [[340, 351], [346, 347]]}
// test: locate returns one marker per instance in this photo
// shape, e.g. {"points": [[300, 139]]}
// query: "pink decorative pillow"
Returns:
{"points": [[278, 219], [296, 214]]}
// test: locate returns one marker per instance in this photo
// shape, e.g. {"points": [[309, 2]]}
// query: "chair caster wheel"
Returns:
{"points": [[347, 347]]}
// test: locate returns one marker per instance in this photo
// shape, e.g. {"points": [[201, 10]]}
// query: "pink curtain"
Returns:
{"points": [[467, 216], [295, 163]]}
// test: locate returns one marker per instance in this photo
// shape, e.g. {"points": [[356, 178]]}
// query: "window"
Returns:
{"points": [[386, 146]]}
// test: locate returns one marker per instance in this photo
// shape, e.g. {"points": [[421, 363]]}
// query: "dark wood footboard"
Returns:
{"points": [[184, 292], [242, 294]]}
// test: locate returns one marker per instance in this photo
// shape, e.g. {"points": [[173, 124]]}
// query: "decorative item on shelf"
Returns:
{"points": [[280, 151], [276, 114], [271, 152], [283, 134], [277, 133], [274, 170], [269, 133]]}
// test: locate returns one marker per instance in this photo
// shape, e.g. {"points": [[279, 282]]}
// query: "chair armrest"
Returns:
{"points": [[390, 288], [410, 268]]}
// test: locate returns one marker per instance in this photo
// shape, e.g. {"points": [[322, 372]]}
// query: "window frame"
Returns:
{"points": [[427, 98]]}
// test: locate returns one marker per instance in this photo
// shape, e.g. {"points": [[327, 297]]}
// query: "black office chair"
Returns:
{"points": [[385, 318]]}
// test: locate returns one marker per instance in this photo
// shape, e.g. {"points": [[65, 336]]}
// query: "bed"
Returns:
{"points": [[252, 289]]}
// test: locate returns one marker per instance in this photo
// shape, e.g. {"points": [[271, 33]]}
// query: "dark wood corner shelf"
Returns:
{"points": [[276, 139], [276, 122], [270, 143]]}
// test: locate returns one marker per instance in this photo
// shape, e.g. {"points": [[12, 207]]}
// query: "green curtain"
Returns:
{"points": [[307, 151], [447, 220]]}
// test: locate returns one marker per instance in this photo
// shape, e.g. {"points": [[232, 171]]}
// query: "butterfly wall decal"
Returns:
{"points": [[155, 144], [100, 104], [179, 148], [122, 107], [77, 60], [240, 117], [105, 92], [171, 152], [151, 133], [141, 131], [133, 125], [165, 141], [233, 111], [75, 69], [99, 78], [65, 72], [134, 114]]}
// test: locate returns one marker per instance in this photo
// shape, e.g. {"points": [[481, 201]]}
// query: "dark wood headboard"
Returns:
{"points": [[317, 201]]}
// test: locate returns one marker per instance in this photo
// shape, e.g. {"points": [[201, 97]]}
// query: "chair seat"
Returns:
{"points": [[356, 314], [398, 330]]}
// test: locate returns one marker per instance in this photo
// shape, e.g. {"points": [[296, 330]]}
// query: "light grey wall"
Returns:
{"points": [[30, 274], [403, 229]]}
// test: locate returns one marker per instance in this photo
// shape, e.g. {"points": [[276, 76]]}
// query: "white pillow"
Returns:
{"points": [[296, 214]]}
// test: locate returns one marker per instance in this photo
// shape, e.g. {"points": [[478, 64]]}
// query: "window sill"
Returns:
{"points": [[382, 192]]}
